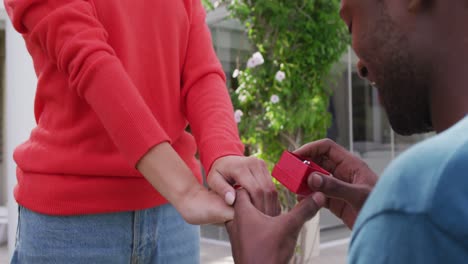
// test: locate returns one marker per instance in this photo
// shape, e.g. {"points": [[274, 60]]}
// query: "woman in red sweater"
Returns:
{"points": [[118, 84]]}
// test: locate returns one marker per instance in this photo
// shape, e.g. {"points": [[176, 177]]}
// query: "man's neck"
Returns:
{"points": [[449, 96]]}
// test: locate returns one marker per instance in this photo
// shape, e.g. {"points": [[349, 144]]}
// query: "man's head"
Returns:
{"points": [[392, 39]]}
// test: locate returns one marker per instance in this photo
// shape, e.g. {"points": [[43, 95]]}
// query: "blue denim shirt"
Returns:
{"points": [[418, 212]]}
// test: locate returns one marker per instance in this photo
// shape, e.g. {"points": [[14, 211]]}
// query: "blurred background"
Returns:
{"points": [[357, 122]]}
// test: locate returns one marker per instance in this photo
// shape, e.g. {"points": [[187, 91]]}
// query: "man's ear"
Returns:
{"points": [[415, 6]]}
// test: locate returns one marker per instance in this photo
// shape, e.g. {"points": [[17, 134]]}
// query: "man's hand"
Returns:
{"points": [[250, 173], [258, 238], [351, 181]]}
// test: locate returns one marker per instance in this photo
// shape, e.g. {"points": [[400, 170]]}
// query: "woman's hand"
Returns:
{"points": [[168, 174], [250, 173]]}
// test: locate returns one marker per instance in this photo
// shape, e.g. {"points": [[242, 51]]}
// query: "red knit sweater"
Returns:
{"points": [[116, 78]]}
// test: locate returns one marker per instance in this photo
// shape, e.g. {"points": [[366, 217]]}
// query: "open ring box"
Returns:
{"points": [[292, 171]]}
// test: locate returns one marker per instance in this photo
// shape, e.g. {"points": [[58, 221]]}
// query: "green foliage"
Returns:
{"points": [[208, 5], [303, 39]]}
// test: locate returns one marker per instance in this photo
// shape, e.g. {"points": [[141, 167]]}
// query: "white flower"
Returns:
{"points": [[235, 74], [257, 56], [274, 99], [255, 60], [280, 76], [242, 98], [251, 63], [238, 115]]}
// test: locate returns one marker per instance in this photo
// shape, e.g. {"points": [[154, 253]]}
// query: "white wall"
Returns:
{"points": [[20, 88]]}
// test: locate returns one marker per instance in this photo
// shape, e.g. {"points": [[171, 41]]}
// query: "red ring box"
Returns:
{"points": [[292, 171]]}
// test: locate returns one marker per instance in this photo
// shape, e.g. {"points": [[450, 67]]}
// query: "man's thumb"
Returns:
{"points": [[307, 208], [354, 194]]}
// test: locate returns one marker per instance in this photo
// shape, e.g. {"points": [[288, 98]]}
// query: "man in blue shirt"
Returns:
{"points": [[416, 53]]}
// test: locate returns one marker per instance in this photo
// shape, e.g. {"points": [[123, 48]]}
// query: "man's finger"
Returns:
{"points": [[300, 197], [353, 194], [270, 195], [317, 150], [222, 188], [306, 209], [245, 178], [243, 201], [229, 226]]}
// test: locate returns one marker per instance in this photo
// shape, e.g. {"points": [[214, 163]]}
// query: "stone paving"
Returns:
{"points": [[220, 253], [216, 253], [4, 254]]}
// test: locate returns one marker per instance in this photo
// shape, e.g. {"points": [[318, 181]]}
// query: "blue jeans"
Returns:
{"points": [[156, 235]]}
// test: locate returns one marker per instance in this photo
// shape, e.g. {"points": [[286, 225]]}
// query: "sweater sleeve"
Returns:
{"points": [[70, 35], [207, 103]]}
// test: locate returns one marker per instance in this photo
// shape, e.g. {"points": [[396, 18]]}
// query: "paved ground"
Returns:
{"points": [[333, 250], [330, 253], [4, 254]]}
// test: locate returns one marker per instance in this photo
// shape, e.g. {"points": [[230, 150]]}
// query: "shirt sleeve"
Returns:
{"points": [[68, 33], [207, 103], [395, 237]]}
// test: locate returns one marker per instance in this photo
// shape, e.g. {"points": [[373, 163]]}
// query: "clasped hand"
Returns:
{"points": [[200, 206], [258, 238]]}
